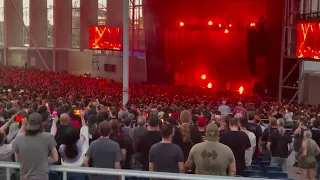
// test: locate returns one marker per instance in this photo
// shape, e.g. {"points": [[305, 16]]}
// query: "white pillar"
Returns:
{"points": [[125, 93]]}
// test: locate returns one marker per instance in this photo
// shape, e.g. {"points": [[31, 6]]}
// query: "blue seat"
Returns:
{"points": [[252, 173], [266, 169], [254, 167], [254, 162], [276, 175], [257, 177], [264, 163], [76, 176]]}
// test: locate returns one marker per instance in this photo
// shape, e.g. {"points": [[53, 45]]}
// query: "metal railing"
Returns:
{"points": [[120, 173]]}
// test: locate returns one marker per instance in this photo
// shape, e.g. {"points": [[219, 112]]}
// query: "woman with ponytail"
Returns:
{"points": [[76, 146], [307, 157], [278, 145]]}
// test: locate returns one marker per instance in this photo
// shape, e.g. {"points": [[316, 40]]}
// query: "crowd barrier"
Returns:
{"points": [[121, 173]]}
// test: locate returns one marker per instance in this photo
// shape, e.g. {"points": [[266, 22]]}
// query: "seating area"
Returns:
{"points": [[262, 169]]}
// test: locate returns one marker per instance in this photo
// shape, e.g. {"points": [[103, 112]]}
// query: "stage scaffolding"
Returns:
{"points": [[294, 10]]}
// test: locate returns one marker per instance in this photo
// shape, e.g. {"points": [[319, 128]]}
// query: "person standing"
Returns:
{"points": [[307, 157], [238, 142], [212, 157], [166, 156], [277, 145], [103, 152], [32, 148], [224, 109], [243, 122], [145, 143]]}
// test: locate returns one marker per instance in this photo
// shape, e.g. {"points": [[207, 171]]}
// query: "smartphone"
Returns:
{"points": [[18, 118], [77, 112], [170, 114]]}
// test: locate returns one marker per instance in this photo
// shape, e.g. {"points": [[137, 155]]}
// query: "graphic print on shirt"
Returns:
{"points": [[208, 165]]}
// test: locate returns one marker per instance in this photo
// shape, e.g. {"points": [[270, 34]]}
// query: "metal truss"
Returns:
{"points": [[288, 49]]}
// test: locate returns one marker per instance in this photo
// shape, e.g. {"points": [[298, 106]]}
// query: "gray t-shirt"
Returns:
{"points": [[165, 157], [103, 153], [33, 155]]}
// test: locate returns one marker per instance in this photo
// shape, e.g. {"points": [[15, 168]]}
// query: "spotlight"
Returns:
{"points": [[210, 23], [230, 25], [209, 85], [252, 24], [181, 24], [203, 77], [219, 25], [226, 31]]}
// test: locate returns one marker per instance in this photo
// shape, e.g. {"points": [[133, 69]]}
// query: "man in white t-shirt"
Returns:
{"points": [[243, 122], [224, 109], [288, 117]]}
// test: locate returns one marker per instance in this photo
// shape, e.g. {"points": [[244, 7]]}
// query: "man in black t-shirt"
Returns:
{"points": [[265, 136], [152, 137], [255, 128], [238, 142]]}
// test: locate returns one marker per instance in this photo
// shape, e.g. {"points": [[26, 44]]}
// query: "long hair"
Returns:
{"points": [[185, 132], [114, 128], [280, 123], [71, 138]]}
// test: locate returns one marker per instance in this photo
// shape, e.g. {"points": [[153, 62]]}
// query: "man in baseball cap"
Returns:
{"points": [[212, 157]]}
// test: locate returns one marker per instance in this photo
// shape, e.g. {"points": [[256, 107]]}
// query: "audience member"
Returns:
{"points": [[145, 143], [278, 143], [34, 161], [166, 156], [238, 142], [243, 123], [211, 157], [103, 152]]}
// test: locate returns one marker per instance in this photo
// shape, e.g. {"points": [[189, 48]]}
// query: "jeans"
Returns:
{"points": [[277, 161]]}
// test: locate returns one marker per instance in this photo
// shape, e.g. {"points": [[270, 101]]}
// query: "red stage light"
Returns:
{"points": [[230, 25], [219, 25], [210, 23], [226, 31], [252, 24], [240, 90], [209, 85], [181, 24], [203, 77]]}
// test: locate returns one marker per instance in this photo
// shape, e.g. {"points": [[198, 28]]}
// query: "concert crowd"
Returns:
{"points": [[80, 121]]}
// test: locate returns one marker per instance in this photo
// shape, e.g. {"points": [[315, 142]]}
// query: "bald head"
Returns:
{"points": [[185, 116], [64, 118], [141, 120]]}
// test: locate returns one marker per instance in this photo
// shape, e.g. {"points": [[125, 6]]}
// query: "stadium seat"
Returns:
{"points": [[257, 177], [264, 163], [254, 167], [54, 176], [276, 175], [266, 169], [252, 173], [254, 162], [76, 176]]}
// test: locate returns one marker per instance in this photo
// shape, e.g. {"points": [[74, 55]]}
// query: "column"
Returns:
{"points": [[115, 13], [13, 23], [88, 17], [38, 23], [63, 23]]}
